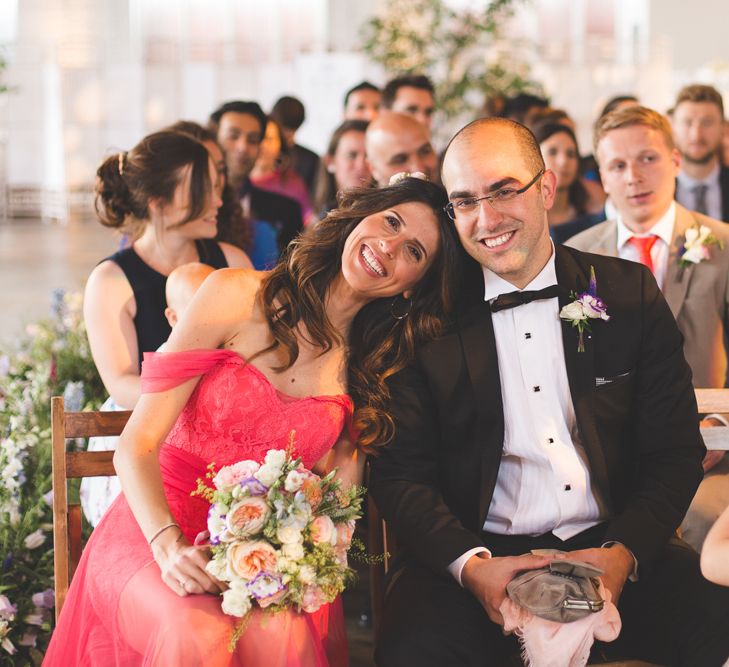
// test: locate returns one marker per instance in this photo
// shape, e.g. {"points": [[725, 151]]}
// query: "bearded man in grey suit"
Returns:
{"points": [[689, 256]]}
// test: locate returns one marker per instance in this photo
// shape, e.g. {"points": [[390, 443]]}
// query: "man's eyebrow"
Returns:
{"points": [[465, 194], [397, 157]]}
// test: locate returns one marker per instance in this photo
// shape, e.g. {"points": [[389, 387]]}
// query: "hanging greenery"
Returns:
{"points": [[457, 48]]}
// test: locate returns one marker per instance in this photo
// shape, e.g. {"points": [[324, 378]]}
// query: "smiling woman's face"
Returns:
{"points": [[388, 252]]}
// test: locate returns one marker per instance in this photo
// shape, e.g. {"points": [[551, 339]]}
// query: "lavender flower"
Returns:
{"points": [[45, 599]]}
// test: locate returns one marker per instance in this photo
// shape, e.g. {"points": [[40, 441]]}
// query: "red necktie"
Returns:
{"points": [[643, 245]]}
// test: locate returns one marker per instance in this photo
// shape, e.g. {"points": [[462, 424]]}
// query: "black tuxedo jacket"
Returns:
{"points": [[282, 213], [724, 184], [434, 482]]}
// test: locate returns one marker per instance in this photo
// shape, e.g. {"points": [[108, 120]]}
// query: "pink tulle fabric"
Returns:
{"points": [[549, 644], [118, 610]]}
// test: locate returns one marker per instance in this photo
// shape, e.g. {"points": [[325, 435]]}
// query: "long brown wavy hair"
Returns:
{"points": [[379, 344]]}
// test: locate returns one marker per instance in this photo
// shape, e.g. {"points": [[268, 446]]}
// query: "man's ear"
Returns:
{"points": [[548, 187]]}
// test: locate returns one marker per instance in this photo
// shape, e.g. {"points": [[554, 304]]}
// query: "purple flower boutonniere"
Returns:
{"points": [[696, 246], [585, 307]]}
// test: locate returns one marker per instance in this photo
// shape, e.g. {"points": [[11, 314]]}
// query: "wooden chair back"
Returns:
{"points": [[73, 465]]}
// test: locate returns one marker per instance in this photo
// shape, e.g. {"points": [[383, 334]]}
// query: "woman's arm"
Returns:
{"points": [[236, 258], [715, 552], [108, 314], [216, 313], [347, 458]]}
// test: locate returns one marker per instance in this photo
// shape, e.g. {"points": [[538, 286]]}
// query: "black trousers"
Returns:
{"points": [[671, 615]]}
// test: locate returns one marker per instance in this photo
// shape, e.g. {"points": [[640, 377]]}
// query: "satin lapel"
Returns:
{"points": [[479, 347], [581, 367], [678, 277]]}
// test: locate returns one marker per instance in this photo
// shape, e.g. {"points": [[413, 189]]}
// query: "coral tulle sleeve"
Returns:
{"points": [[166, 370]]}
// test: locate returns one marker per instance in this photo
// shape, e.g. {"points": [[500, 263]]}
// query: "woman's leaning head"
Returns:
{"points": [[165, 171]]}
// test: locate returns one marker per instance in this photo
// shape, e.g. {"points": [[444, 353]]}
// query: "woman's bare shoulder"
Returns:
{"points": [[233, 290]]}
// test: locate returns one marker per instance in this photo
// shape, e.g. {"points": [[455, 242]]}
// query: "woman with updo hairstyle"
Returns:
{"points": [[306, 348], [573, 210], [165, 194], [344, 165], [233, 226]]}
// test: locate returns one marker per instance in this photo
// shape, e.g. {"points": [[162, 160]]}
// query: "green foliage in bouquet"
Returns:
{"points": [[456, 48], [53, 358]]}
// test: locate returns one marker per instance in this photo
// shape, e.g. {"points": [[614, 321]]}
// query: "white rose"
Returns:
{"points": [[294, 480], [267, 474], [573, 311], [293, 550], [691, 235], [307, 574], [34, 540], [694, 254], [236, 602], [218, 568], [704, 233], [275, 458], [216, 523], [289, 534]]}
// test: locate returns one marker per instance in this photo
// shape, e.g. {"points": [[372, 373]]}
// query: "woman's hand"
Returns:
{"points": [[183, 565]]}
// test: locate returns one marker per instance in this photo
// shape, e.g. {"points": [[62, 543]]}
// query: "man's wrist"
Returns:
{"points": [[471, 565]]}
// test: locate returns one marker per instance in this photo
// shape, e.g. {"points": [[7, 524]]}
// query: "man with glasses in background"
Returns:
{"points": [[537, 423]]}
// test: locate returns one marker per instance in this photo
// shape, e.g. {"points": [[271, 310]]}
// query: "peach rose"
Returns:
{"points": [[247, 559], [313, 599], [322, 531], [248, 516], [312, 492], [229, 476], [344, 534]]}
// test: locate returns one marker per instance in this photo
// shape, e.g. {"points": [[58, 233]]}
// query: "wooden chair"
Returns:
{"points": [[73, 465]]}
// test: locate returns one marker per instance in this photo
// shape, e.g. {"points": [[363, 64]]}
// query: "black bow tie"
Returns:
{"points": [[512, 299]]}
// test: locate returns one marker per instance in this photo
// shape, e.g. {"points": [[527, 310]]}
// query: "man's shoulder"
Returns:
{"points": [[619, 270], [594, 237]]}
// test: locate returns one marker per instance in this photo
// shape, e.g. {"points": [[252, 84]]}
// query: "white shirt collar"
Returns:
{"points": [[663, 229], [494, 285], [685, 181]]}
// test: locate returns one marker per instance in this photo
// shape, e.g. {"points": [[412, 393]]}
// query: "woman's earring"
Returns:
{"points": [[400, 307]]}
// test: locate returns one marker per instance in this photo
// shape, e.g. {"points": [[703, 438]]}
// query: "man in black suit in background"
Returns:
{"points": [[240, 127], [512, 434], [698, 124]]}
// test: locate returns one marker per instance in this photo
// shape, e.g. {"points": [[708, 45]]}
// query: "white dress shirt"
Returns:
{"points": [[663, 229], [543, 483], [686, 197]]}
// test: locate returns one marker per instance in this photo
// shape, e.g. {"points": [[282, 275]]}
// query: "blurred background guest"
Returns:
{"points": [[343, 166], [413, 95], [290, 114], [574, 210], [273, 170], [362, 102]]}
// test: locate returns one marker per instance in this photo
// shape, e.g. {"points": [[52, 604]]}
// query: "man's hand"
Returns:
{"points": [[615, 561], [487, 577], [712, 457]]}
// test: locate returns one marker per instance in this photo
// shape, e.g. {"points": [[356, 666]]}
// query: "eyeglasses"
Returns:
{"points": [[464, 208]]}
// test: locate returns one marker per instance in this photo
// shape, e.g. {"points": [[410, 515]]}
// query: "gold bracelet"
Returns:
{"points": [[162, 530]]}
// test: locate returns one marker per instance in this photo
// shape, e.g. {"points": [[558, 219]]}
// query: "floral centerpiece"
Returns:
{"points": [[279, 535], [52, 358]]}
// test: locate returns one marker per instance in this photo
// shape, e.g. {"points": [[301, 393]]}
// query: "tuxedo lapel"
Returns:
{"points": [[479, 348], [581, 366], [678, 277]]}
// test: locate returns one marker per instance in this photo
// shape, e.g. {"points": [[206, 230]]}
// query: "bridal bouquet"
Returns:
{"points": [[279, 534]]}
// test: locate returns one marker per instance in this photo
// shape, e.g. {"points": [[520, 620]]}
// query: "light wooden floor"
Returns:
{"points": [[37, 257]]}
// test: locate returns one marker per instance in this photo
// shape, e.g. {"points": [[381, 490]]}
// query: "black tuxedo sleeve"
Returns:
{"points": [[406, 479], [667, 449]]}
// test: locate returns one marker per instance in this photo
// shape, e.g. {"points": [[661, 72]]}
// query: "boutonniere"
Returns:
{"points": [[585, 307], [696, 246]]}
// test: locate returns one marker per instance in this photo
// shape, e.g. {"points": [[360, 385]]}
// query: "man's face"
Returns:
{"points": [[512, 240], [363, 105], [401, 149], [697, 130], [638, 171], [240, 136], [415, 102]]}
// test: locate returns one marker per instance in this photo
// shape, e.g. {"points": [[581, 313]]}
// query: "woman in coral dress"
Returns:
{"points": [[256, 357]]}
